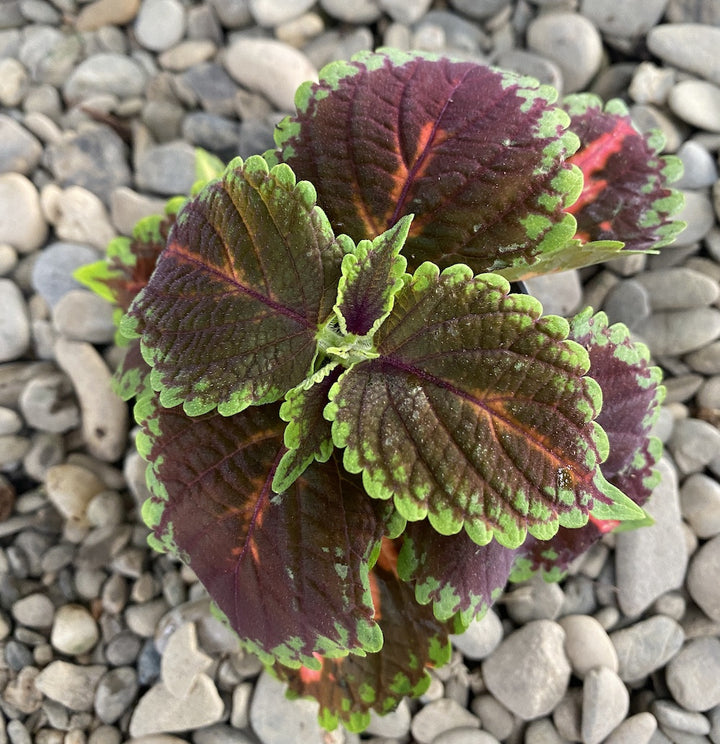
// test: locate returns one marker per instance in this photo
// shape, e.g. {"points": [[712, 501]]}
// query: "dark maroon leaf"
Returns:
{"points": [[625, 194], [451, 571], [475, 153], [290, 570], [632, 395], [553, 557], [347, 689], [639, 477], [230, 315], [632, 390]]}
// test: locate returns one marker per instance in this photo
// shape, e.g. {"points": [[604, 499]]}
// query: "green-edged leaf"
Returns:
{"points": [[626, 194], [290, 570], [347, 689], [132, 376], [639, 477], [98, 277], [632, 395], [475, 413], [371, 276], [632, 389], [307, 436], [573, 255], [451, 571], [621, 509], [132, 260], [553, 557], [230, 315], [475, 153]]}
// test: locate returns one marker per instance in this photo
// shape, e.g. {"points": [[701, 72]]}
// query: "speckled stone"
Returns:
{"points": [[700, 504], [95, 158], [678, 288], [74, 630], [626, 19], [439, 717], [271, 13], [694, 444], [101, 13], [21, 150], [701, 580], [22, 224], [72, 685], [606, 702], [679, 332], [696, 102], [637, 729], [14, 322], [653, 560], [481, 638], [105, 73], [160, 24], [587, 644], [104, 414]]}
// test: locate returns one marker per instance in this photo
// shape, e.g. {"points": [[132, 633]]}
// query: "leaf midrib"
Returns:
{"points": [[177, 250]]}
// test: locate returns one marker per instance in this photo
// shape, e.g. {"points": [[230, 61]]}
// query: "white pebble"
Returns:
{"points": [[22, 224], [74, 630]]}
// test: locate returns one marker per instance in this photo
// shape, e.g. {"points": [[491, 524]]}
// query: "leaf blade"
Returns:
{"points": [[458, 576], [626, 193], [230, 315], [347, 689], [632, 395], [475, 153], [307, 435], [477, 412], [286, 570], [371, 276]]}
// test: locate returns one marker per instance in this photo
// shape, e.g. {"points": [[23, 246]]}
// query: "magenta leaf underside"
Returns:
{"points": [[289, 570], [474, 153], [230, 314]]}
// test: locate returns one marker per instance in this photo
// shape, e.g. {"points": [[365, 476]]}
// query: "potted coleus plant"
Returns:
{"points": [[355, 432]]}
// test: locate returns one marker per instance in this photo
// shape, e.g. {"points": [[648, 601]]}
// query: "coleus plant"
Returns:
{"points": [[355, 432]]}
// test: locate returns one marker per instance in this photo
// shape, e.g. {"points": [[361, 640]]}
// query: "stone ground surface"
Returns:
{"points": [[104, 641]]}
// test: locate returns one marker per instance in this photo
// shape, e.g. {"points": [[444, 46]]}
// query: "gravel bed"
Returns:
{"points": [[104, 641]]}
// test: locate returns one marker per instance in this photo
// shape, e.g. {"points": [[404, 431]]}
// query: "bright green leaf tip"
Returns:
{"points": [[621, 507]]}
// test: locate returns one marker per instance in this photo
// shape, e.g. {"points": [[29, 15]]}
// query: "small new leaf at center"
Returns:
{"points": [[372, 274]]}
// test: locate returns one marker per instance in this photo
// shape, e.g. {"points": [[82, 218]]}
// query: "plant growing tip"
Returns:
{"points": [[355, 432]]}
